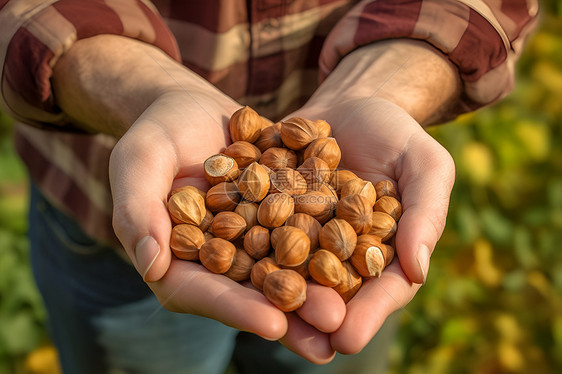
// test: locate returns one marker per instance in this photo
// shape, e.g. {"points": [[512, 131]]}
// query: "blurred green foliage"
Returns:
{"points": [[492, 302]]}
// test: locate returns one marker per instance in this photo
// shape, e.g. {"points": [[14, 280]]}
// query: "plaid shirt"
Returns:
{"points": [[269, 54]]}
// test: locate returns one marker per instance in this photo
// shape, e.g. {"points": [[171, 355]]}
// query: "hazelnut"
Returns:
{"points": [[315, 171], [292, 247], [309, 225], [323, 128], [390, 206], [325, 268], [189, 188], [223, 196], [298, 132], [316, 204], [245, 124], [241, 266], [243, 152], [206, 222], [286, 289], [386, 188], [253, 183], [302, 269], [287, 180], [228, 225], [260, 269], [275, 233], [360, 187], [270, 137], [249, 211], [185, 241], [276, 158], [350, 284], [340, 177], [187, 206], [383, 226], [357, 211], [217, 255], [325, 148], [256, 242], [220, 168], [367, 257], [338, 237], [274, 210]]}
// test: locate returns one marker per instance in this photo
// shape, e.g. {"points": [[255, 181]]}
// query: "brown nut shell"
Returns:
{"points": [[309, 225], [220, 168], [386, 188], [270, 137], [367, 257], [287, 180], [249, 211], [260, 269], [316, 204], [360, 187], [326, 268], [350, 284], [390, 206], [206, 222], [217, 255], [241, 266], [286, 289], [292, 247], [185, 241], [357, 211], [326, 149], [323, 128], [341, 177], [243, 152], [383, 226], [315, 171], [245, 124], [256, 242], [187, 206], [338, 237], [228, 226], [276, 158], [297, 132], [275, 233], [253, 183], [223, 196], [275, 209]]}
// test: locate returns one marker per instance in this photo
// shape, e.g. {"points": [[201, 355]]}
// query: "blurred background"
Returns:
{"points": [[493, 299]]}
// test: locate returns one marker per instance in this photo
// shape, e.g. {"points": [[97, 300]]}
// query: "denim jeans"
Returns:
{"points": [[104, 319]]}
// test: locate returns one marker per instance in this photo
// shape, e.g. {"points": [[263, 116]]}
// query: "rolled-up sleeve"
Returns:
{"points": [[35, 33], [482, 38]]}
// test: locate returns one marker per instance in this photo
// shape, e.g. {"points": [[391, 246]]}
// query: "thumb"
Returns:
{"points": [[426, 178], [140, 180]]}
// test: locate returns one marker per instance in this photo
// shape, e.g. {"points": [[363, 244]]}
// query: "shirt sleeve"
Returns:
{"points": [[482, 38], [35, 33]]}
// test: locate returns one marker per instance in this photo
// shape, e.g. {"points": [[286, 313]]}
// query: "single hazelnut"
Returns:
{"points": [[325, 268], [275, 233], [276, 158], [315, 171], [309, 225], [341, 177], [323, 128], [227, 225], [223, 196], [270, 137], [316, 204], [245, 124], [383, 226], [189, 188], [390, 206], [360, 187], [367, 258], [286, 289], [206, 222], [274, 210], [386, 188], [217, 255], [256, 242], [338, 237], [357, 211], [241, 266], [243, 152], [249, 211], [187, 206], [260, 269], [350, 284], [287, 180], [292, 247], [220, 168], [298, 132], [326, 149], [253, 183], [185, 241]]}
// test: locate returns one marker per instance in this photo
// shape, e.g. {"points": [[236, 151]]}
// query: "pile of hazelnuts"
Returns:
{"points": [[280, 212]]}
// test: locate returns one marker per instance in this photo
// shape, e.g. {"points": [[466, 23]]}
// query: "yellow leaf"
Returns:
{"points": [[477, 162]]}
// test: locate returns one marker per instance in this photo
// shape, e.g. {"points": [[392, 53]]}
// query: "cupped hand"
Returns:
{"points": [[379, 140]]}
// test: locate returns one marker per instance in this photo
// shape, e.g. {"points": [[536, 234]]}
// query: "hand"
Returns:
{"points": [[379, 140]]}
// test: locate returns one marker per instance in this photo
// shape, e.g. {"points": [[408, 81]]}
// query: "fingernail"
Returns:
{"points": [[423, 261], [146, 251]]}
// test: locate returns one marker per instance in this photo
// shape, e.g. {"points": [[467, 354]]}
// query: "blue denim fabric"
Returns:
{"points": [[104, 319]]}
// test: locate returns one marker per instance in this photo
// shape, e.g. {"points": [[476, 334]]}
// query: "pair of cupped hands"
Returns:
{"points": [[165, 148]]}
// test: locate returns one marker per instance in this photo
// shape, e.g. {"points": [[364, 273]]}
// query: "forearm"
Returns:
{"points": [[409, 73], [104, 83]]}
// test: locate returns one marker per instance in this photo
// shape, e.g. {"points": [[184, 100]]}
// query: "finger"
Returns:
{"points": [[140, 180], [306, 341], [377, 299], [324, 308], [426, 174], [189, 288]]}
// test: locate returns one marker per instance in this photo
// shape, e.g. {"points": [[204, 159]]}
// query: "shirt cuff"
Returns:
{"points": [[480, 38], [41, 31]]}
